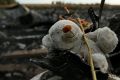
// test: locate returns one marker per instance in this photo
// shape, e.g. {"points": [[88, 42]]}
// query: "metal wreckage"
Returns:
{"points": [[65, 64]]}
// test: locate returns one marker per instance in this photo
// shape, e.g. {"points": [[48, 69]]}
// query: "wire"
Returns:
{"points": [[100, 11]]}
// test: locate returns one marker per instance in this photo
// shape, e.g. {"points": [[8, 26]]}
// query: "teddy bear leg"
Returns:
{"points": [[100, 61]]}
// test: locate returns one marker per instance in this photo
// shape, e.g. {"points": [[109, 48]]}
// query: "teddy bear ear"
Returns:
{"points": [[47, 42]]}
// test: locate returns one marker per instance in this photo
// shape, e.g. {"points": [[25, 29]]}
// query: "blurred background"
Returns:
{"points": [[23, 23]]}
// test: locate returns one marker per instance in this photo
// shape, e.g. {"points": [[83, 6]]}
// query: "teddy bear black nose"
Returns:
{"points": [[67, 28]]}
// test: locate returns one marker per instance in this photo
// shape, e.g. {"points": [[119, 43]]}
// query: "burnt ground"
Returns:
{"points": [[21, 31]]}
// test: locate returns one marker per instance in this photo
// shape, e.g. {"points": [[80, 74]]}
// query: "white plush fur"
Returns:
{"points": [[101, 41], [56, 38], [105, 38], [100, 62], [113, 77], [47, 42]]}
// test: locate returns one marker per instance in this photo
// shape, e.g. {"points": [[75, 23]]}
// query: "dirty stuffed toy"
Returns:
{"points": [[66, 36]]}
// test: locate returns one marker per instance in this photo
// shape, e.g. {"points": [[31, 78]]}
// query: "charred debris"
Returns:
{"points": [[22, 29]]}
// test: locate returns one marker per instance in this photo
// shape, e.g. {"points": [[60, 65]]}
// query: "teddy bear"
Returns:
{"points": [[66, 35], [64, 41]]}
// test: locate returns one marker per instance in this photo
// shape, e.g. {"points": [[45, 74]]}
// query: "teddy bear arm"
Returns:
{"points": [[93, 35], [106, 40]]}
